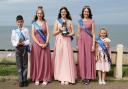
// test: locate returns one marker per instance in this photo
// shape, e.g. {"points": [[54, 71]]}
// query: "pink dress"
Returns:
{"points": [[40, 60], [102, 64], [63, 61], [86, 58]]}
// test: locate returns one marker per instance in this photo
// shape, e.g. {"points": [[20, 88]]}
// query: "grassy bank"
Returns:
{"points": [[6, 70]]}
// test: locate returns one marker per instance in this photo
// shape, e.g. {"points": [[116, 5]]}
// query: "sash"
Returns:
{"points": [[67, 30], [104, 48], [82, 25], [41, 33], [61, 22], [22, 37], [20, 34]]}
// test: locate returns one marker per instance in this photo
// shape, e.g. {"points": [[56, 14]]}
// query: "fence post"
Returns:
{"points": [[119, 61]]}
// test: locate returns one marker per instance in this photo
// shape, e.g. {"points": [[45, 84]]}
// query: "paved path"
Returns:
{"points": [[13, 84]]}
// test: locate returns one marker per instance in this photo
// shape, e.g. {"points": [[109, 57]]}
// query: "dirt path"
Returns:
{"points": [[13, 84]]}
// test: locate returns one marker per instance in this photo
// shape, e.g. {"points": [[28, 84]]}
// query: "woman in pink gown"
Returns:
{"points": [[86, 46], [63, 61], [40, 54]]}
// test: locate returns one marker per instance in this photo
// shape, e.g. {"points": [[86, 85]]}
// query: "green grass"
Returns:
{"points": [[111, 72], [6, 70], [125, 71]]}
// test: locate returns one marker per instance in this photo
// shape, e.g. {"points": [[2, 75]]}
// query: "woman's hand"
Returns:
{"points": [[43, 45], [93, 49], [77, 35]]}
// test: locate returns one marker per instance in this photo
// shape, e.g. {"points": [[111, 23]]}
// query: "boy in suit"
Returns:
{"points": [[20, 40]]}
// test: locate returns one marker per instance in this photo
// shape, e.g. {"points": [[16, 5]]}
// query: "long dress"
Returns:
{"points": [[86, 58], [63, 60], [102, 63], [41, 69]]}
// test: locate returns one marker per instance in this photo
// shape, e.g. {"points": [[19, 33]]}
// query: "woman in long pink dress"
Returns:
{"points": [[40, 54], [63, 61], [86, 46]]}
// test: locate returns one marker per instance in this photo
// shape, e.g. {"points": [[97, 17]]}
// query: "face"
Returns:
{"points": [[86, 13], [103, 33], [20, 23], [39, 14], [63, 13]]}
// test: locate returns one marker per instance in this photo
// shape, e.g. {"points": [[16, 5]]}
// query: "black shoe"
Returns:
{"points": [[26, 83], [21, 85], [87, 82], [83, 81]]}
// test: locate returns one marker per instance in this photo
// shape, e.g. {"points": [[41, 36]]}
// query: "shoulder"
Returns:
{"points": [[69, 22], [46, 22], [14, 30], [91, 20], [56, 21], [25, 29]]}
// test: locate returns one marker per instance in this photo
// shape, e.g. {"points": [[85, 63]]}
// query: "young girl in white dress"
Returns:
{"points": [[103, 57]]}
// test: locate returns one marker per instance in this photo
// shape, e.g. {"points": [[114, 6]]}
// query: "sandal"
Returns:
{"points": [[37, 83]]}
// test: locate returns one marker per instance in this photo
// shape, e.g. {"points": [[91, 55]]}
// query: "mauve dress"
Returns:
{"points": [[86, 58], [40, 60]]}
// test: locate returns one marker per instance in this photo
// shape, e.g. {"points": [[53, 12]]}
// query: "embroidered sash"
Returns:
{"points": [[40, 31], [82, 25], [104, 48], [67, 30], [22, 38]]}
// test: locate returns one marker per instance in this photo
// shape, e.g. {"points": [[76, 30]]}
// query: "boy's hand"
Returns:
{"points": [[20, 44]]}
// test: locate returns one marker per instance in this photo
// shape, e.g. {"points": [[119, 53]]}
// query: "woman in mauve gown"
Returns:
{"points": [[86, 46]]}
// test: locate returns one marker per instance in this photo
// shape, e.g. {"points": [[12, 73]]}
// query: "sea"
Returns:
{"points": [[117, 33]]}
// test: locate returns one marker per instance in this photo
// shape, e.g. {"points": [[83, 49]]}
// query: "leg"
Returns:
{"points": [[100, 76], [19, 64], [25, 66], [103, 77]]}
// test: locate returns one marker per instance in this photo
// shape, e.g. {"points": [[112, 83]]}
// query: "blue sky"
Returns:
{"points": [[104, 11]]}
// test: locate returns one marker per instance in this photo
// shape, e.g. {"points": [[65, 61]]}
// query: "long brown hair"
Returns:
{"points": [[68, 16], [90, 13]]}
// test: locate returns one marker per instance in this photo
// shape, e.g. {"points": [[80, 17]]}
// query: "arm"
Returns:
{"points": [[97, 52], [48, 34], [109, 50], [78, 32], [94, 36], [13, 38], [27, 37], [56, 30], [71, 30]]}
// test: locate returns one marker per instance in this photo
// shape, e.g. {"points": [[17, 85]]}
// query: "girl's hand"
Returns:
{"points": [[20, 44], [77, 35], [45, 45], [93, 49], [40, 45], [62, 28], [96, 59]]}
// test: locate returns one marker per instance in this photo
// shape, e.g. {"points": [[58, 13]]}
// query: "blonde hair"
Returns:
{"points": [[105, 29]]}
